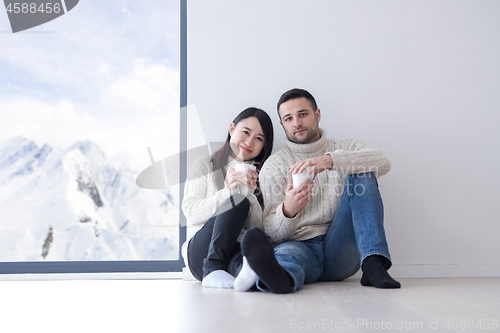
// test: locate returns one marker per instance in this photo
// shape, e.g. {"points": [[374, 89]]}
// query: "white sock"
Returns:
{"points": [[218, 279], [247, 277]]}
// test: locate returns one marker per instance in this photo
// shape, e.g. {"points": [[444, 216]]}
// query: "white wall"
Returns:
{"points": [[419, 80]]}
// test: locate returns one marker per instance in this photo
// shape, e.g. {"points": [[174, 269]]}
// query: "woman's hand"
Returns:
{"points": [[251, 182], [233, 178]]}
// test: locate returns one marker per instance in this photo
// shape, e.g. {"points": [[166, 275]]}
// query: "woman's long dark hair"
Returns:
{"points": [[220, 157]]}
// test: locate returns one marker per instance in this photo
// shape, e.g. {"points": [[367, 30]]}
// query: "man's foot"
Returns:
{"points": [[260, 255], [246, 278], [375, 274], [218, 279]]}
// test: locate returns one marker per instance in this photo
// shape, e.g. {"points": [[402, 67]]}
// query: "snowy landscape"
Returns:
{"points": [[73, 203], [82, 98]]}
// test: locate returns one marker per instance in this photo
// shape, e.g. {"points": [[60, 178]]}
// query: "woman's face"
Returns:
{"points": [[247, 138]]}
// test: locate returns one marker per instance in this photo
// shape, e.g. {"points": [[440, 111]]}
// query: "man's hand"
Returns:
{"points": [[296, 198], [317, 164]]}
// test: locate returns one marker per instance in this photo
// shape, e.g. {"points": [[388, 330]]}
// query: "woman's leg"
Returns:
{"points": [[214, 245], [226, 229]]}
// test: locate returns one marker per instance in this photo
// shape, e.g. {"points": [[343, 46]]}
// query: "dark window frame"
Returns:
{"points": [[128, 266]]}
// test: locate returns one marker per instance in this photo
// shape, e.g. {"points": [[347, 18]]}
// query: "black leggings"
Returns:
{"points": [[215, 246]]}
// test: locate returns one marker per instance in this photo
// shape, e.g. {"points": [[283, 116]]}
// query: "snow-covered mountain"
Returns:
{"points": [[74, 204]]}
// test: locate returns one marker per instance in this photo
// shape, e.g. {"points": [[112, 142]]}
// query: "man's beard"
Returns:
{"points": [[310, 135]]}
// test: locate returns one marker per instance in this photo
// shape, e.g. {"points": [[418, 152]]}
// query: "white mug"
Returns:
{"points": [[245, 168], [299, 178]]}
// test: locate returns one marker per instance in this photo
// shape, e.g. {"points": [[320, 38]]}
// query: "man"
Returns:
{"points": [[326, 229]]}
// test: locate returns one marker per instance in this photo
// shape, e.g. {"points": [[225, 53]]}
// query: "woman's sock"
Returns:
{"points": [[375, 274], [218, 279], [260, 255], [246, 278]]}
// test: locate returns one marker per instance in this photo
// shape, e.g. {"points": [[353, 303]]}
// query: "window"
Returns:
{"points": [[82, 98]]}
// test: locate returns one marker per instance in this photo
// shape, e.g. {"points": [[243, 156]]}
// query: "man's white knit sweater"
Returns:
{"points": [[350, 156]]}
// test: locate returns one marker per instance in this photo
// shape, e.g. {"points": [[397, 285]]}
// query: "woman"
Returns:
{"points": [[224, 202]]}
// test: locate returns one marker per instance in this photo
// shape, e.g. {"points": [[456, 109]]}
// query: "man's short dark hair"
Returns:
{"points": [[296, 93]]}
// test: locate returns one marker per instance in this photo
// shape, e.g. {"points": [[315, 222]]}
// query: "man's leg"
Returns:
{"points": [[288, 267], [357, 235], [303, 260]]}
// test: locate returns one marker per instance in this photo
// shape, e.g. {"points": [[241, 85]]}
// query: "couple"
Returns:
{"points": [[258, 230]]}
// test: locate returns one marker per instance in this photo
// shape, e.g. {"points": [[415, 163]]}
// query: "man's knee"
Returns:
{"points": [[293, 251], [364, 176], [358, 183]]}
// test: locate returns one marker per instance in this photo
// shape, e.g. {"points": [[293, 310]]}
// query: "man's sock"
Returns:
{"points": [[260, 255], [218, 279], [246, 278], [375, 274]]}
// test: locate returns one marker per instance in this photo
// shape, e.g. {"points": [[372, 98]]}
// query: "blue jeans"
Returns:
{"points": [[356, 232]]}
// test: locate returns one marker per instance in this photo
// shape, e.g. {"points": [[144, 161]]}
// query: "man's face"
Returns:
{"points": [[300, 121]]}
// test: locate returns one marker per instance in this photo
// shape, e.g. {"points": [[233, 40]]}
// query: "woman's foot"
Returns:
{"points": [[246, 278], [218, 279]]}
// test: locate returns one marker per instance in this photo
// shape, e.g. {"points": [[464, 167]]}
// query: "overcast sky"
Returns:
{"points": [[106, 71]]}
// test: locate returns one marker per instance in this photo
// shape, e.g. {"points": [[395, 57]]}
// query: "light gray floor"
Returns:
{"points": [[422, 305]]}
